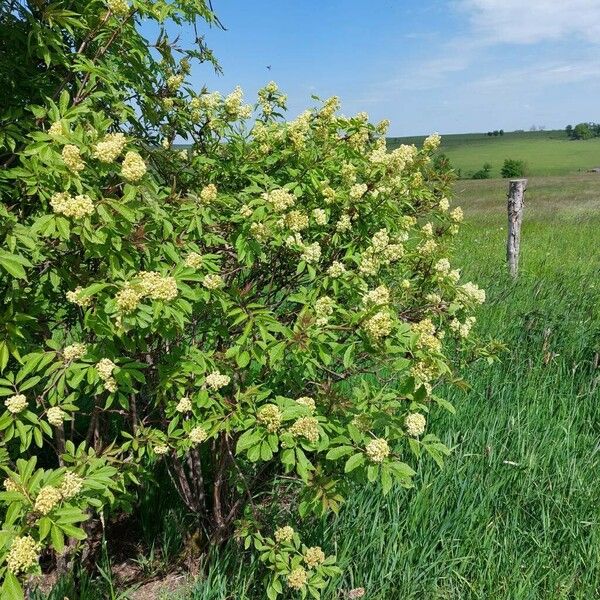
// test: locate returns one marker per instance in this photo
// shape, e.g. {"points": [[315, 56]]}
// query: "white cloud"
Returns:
{"points": [[538, 75], [532, 21]]}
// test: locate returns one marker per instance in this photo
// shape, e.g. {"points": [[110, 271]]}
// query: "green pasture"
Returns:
{"points": [[545, 152]]}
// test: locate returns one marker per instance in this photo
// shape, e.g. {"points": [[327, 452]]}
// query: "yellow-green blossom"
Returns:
{"points": [[377, 450], [415, 424]]}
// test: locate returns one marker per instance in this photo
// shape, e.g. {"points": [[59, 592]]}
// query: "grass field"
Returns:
{"points": [[545, 152], [516, 513]]}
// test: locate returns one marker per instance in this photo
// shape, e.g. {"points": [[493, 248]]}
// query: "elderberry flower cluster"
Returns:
{"points": [[76, 297], [71, 485], [212, 281], [378, 326], [377, 450], [74, 351], [76, 207], [133, 167], [56, 416], [216, 381], [109, 148], [71, 156], [23, 554], [16, 404], [415, 424], [48, 497], [197, 435], [270, 416], [307, 427]]}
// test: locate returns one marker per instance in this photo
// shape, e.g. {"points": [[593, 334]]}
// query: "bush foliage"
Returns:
{"points": [[513, 168], [274, 299]]}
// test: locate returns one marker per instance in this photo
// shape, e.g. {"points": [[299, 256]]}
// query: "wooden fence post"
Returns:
{"points": [[516, 202]]}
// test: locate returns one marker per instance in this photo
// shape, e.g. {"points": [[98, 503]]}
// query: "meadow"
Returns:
{"points": [[546, 153], [515, 514]]}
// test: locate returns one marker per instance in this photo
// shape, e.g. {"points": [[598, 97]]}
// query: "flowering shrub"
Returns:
{"points": [[275, 299]]}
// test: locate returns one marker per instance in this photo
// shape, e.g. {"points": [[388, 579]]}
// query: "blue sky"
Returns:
{"points": [[428, 65]]}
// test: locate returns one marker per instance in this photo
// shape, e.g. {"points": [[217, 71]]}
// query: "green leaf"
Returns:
{"points": [[11, 589], [356, 460], [58, 540], [338, 452]]}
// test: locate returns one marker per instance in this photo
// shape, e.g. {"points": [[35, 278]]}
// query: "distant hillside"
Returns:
{"points": [[545, 152]]}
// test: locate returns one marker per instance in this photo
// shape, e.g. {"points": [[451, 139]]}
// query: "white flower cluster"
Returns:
{"points": [[133, 167], [444, 204], [75, 296], [270, 416], [208, 194], [463, 329], [377, 450], [328, 194], [378, 326], [156, 286], [297, 578], [427, 339], [279, 199], [105, 368], [337, 269], [427, 248], [284, 534], [324, 309], [344, 223], [209, 101], [457, 215], [246, 211], [56, 416], [415, 424], [23, 554], [193, 260], [118, 7], [313, 557], [212, 281], [197, 435], [307, 427], [71, 485], [127, 298], [296, 220], [174, 82], [311, 253], [307, 401], [71, 156], [110, 147], [184, 405], [320, 216], [432, 142], [16, 404], [48, 497], [358, 190], [215, 380], [471, 292], [442, 266], [380, 296], [56, 129], [381, 252], [160, 449], [234, 107], [74, 351], [298, 129], [76, 207]]}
